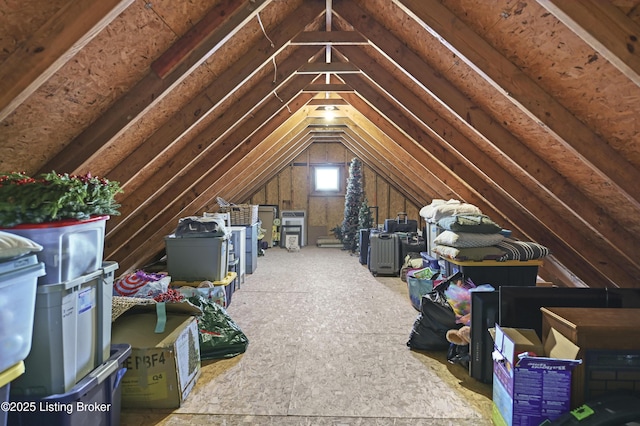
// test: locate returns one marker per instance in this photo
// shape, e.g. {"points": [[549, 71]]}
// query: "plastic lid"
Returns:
{"points": [[11, 373], [60, 223]]}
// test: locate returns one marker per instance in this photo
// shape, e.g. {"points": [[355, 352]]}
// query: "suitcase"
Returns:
{"points": [[364, 246], [384, 253], [400, 224], [411, 244]]}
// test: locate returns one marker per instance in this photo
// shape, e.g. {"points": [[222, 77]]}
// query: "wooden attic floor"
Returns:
{"points": [[327, 346]]}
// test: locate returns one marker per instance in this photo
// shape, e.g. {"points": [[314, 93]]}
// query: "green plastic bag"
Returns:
{"points": [[220, 336]]}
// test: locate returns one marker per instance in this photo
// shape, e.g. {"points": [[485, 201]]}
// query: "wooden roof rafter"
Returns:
{"points": [[202, 185], [205, 105], [69, 30], [170, 167], [414, 159], [151, 89], [394, 168], [604, 27], [544, 186], [506, 106], [175, 178], [262, 175], [526, 95], [513, 199], [383, 169]]}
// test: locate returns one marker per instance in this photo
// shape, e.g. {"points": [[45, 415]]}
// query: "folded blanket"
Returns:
{"points": [[522, 250], [467, 239], [470, 253], [468, 222]]}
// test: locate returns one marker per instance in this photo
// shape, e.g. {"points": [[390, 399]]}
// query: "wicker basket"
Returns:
{"points": [[241, 214]]}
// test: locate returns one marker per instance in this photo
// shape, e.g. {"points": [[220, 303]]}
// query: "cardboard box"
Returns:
{"points": [[163, 367], [531, 382]]}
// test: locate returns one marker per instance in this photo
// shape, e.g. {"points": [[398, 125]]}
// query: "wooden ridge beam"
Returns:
{"points": [[334, 38], [51, 46], [327, 88], [331, 67]]}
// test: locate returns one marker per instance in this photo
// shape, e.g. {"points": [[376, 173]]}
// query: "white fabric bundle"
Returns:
{"points": [[440, 208]]}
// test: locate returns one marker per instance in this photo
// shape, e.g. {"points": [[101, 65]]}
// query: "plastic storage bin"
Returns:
{"points": [[429, 261], [239, 238], [71, 248], [197, 259], [6, 377], [71, 333], [510, 272], [94, 401], [251, 247], [18, 282]]}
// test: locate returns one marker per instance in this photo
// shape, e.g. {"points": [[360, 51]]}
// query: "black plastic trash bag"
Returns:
{"points": [[436, 317], [220, 336]]}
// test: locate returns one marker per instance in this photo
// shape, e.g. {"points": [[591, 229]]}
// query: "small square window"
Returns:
{"points": [[326, 179]]}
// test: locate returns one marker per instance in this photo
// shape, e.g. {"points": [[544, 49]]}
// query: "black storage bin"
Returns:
{"points": [[94, 400], [510, 272]]}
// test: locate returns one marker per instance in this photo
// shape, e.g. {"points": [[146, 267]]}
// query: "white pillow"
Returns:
{"points": [[467, 239], [12, 245], [441, 208]]}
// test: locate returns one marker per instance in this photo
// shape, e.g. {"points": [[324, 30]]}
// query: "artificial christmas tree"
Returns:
{"points": [[352, 202], [365, 225], [365, 219]]}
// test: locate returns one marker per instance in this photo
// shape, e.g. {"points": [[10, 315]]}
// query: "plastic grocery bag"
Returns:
{"points": [[216, 294], [141, 284], [220, 336]]}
